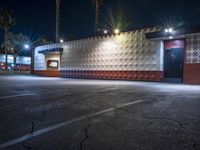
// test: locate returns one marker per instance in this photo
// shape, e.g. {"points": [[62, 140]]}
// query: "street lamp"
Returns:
{"points": [[26, 46], [61, 40]]}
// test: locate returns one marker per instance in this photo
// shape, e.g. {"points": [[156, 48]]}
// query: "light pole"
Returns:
{"points": [[28, 47]]}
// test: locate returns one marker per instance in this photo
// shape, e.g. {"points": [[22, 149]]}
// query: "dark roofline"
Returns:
{"points": [[179, 32], [111, 34], [50, 50]]}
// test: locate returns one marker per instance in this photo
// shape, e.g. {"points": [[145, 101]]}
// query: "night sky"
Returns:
{"points": [[37, 17]]}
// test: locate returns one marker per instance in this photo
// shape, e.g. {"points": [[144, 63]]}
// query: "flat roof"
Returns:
{"points": [[177, 33]]}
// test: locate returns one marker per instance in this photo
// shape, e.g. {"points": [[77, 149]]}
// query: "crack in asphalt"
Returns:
{"points": [[32, 127], [27, 146], [42, 117], [163, 118], [86, 136], [89, 106], [110, 125], [33, 120], [194, 144]]}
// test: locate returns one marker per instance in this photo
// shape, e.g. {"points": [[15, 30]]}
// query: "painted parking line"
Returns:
{"points": [[30, 94], [59, 125], [48, 92], [18, 95]]}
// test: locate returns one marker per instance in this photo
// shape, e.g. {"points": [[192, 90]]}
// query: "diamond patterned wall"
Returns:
{"points": [[193, 48], [128, 56], [129, 51]]}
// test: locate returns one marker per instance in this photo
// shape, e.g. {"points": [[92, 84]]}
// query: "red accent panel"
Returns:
{"points": [[192, 73], [113, 75], [23, 67], [174, 44], [47, 73]]}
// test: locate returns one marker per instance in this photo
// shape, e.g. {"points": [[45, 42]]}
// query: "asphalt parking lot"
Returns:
{"points": [[38, 113]]}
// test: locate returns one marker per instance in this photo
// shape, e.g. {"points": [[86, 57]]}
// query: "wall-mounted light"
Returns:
{"points": [[169, 30], [116, 31], [105, 31], [166, 30]]}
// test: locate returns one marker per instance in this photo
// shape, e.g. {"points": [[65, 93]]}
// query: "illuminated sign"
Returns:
{"points": [[52, 63]]}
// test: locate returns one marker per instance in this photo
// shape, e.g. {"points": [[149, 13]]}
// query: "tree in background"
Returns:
{"points": [[58, 4], [41, 41], [97, 4], [14, 44], [7, 20]]}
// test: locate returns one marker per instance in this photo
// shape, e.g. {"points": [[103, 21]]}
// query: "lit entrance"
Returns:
{"points": [[173, 60], [52, 61]]}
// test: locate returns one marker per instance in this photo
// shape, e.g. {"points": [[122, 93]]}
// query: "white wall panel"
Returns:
{"points": [[39, 61], [127, 51]]}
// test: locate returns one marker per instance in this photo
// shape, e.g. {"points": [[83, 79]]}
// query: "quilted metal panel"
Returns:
{"points": [[129, 51]]}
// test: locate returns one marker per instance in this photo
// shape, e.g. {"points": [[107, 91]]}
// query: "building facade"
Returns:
{"points": [[22, 63], [146, 54]]}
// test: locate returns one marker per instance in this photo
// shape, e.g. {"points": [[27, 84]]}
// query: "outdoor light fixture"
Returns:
{"points": [[168, 30], [61, 40], [116, 31], [26, 46], [105, 31]]}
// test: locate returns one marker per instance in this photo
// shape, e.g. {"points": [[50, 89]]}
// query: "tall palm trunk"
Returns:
{"points": [[97, 17], [58, 3], [6, 50], [15, 61]]}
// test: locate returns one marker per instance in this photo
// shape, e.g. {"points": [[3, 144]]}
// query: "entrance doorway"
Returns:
{"points": [[52, 61], [174, 60]]}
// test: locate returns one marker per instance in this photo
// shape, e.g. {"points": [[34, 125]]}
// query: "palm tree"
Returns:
{"points": [[58, 4], [13, 43], [97, 4], [7, 21]]}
